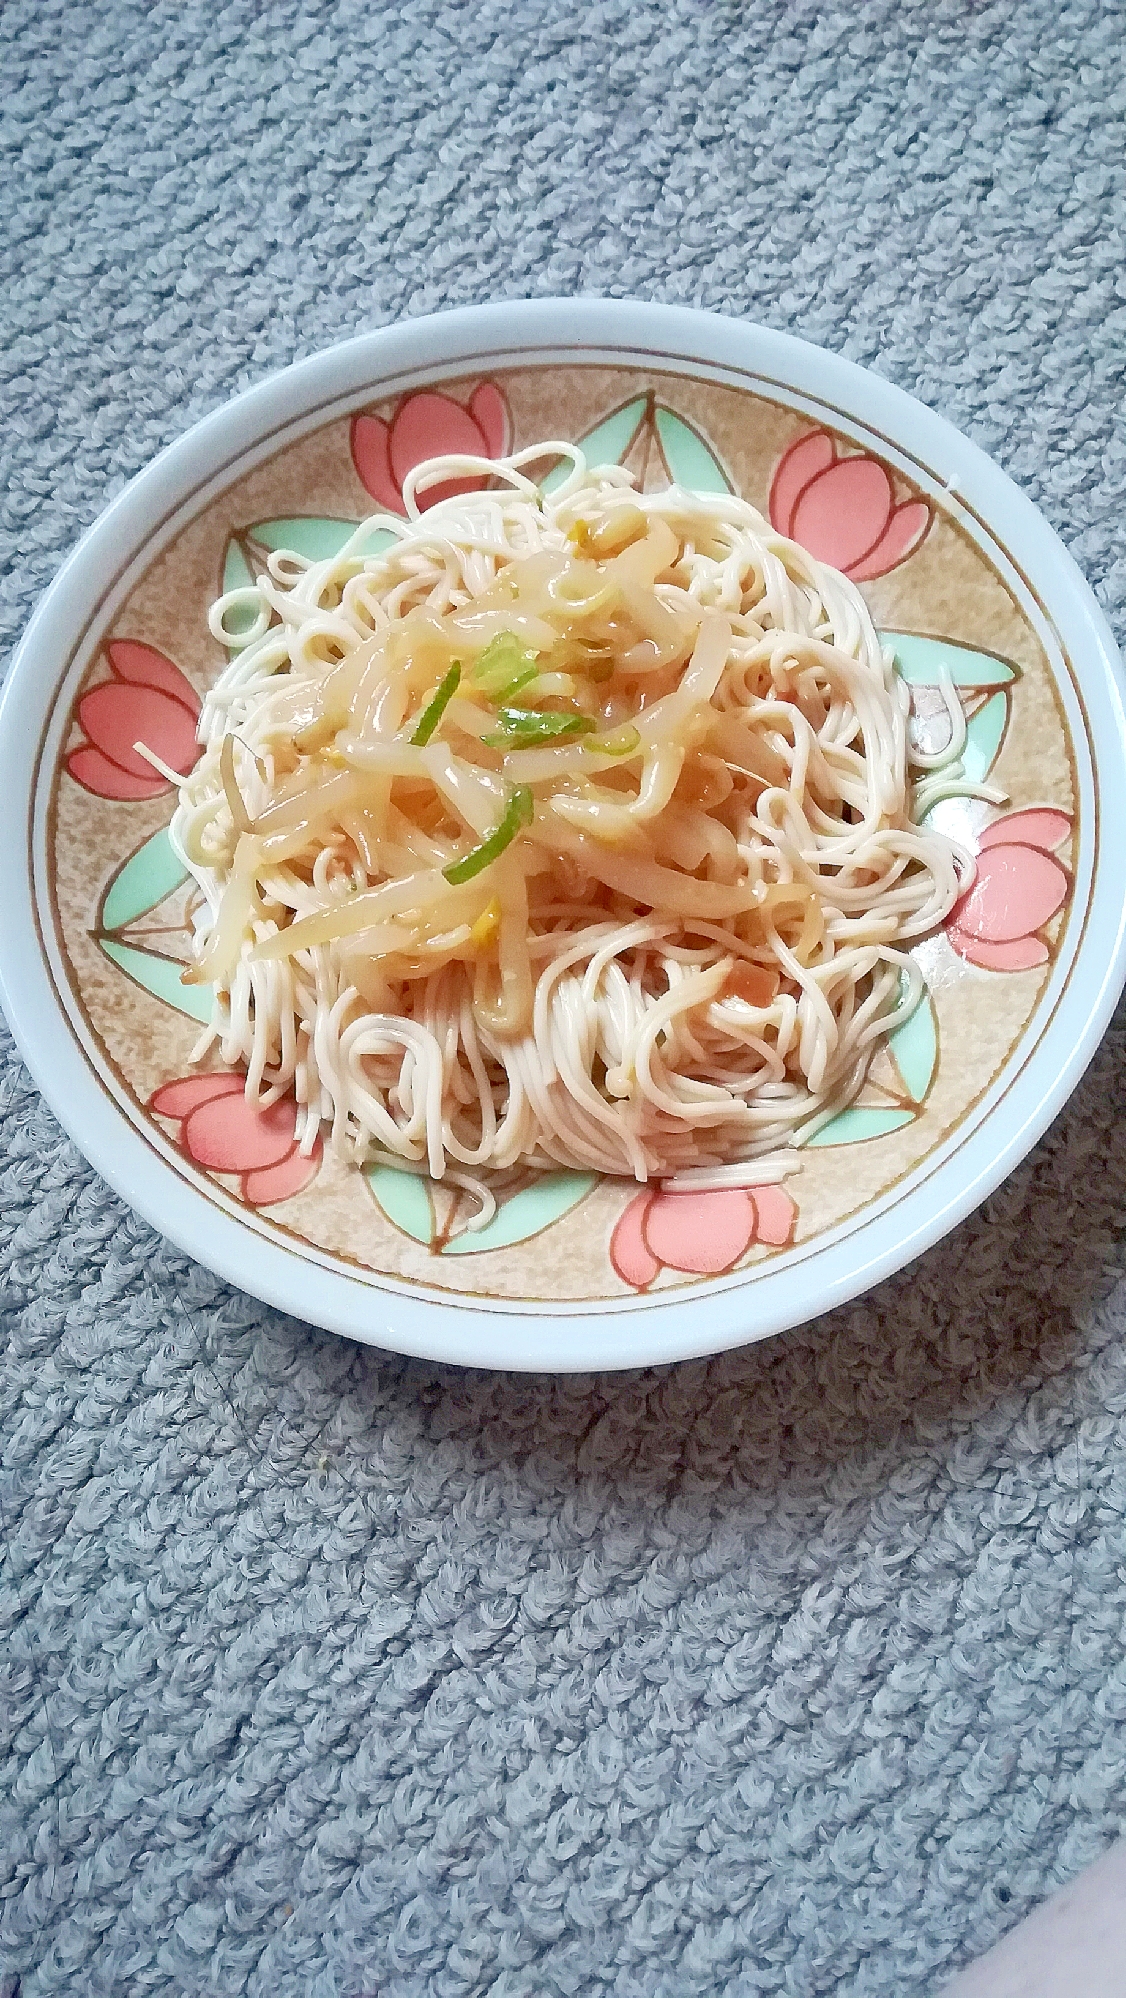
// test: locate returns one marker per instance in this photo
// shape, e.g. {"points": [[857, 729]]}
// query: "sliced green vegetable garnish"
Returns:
{"points": [[620, 742], [519, 812], [503, 661], [519, 726], [518, 685], [434, 710]]}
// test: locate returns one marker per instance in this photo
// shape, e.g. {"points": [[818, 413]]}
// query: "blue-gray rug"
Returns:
{"points": [[326, 1673]]}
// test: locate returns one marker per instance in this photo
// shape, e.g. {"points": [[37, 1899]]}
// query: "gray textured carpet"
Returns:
{"points": [[322, 1672]]}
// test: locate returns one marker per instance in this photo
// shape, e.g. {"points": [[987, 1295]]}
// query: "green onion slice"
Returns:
{"points": [[517, 685], [434, 710], [521, 726], [518, 812], [503, 661]]}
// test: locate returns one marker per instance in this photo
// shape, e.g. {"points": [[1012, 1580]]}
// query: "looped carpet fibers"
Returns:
{"points": [[327, 1673]]}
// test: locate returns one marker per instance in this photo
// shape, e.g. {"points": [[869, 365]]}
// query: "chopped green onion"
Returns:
{"points": [[620, 742], [519, 812], [503, 660], [524, 725], [518, 685], [434, 710]]}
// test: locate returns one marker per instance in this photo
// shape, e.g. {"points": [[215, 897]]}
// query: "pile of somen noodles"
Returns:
{"points": [[567, 830]]}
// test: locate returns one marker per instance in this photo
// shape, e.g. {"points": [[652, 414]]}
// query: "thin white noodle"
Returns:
{"points": [[746, 1172], [585, 1001]]}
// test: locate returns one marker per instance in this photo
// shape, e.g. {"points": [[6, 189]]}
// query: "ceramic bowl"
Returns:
{"points": [[964, 578]]}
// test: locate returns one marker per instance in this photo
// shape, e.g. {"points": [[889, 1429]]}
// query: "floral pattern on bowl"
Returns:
{"points": [[146, 698], [698, 1234], [219, 1129], [428, 425], [844, 509], [554, 1234], [1018, 888]]}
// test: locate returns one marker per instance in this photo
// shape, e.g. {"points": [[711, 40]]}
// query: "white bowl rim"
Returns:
{"points": [[658, 1328]]}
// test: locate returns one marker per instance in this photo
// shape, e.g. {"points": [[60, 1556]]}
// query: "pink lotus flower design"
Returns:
{"points": [[427, 425], [844, 510], [701, 1234], [223, 1132], [146, 699], [1018, 888]]}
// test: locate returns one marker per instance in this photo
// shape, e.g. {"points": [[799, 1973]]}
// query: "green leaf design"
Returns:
{"points": [[985, 733], [315, 537], [928, 661], [237, 575], [851, 1127], [527, 1213], [914, 1046], [146, 878], [689, 459], [606, 444], [161, 977], [405, 1199]]}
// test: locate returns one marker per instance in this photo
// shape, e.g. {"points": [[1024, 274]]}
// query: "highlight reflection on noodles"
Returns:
{"points": [[567, 830]]}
